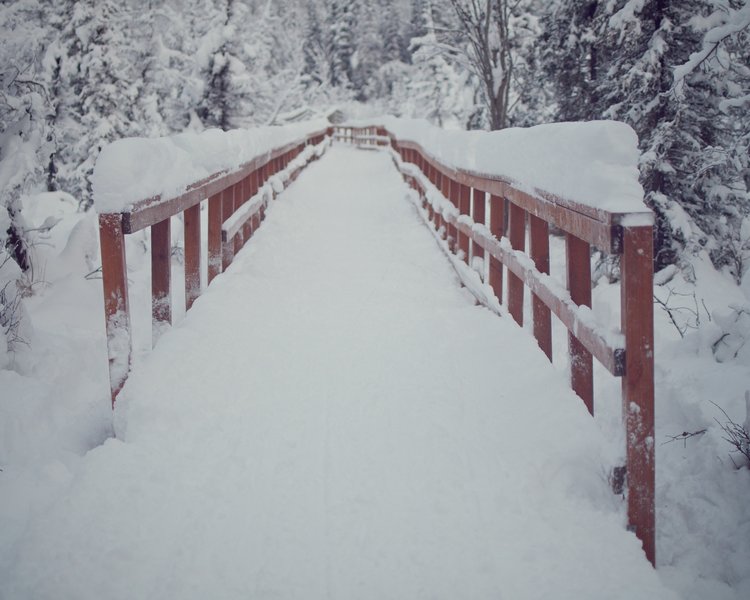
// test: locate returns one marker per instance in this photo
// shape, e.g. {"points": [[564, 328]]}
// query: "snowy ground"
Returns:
{"points": [[335, 418]]}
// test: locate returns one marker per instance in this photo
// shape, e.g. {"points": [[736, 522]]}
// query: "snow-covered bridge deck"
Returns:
{"points": [[336, 418]]}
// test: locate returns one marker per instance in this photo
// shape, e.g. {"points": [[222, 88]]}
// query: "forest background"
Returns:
{"points": [[77, 74]]}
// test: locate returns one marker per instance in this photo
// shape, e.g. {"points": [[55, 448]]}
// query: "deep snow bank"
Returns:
{"points": [[593, 163], [134, 169]]}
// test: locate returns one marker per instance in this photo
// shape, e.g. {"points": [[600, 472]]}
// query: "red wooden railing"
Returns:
{"points": [[457, 214], [236, 206], [453, 202]]}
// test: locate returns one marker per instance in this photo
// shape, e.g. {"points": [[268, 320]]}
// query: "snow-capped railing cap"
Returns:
{"points": [[137, 172], [589, 167]]}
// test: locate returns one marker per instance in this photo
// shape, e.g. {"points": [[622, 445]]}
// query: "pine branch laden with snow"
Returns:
{"points": [[678, 74]]}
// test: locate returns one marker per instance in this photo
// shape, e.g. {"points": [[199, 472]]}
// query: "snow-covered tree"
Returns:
{"points": [[712, 93], [433, 87], [26, 139], [103, 80], [495, 35], [341, 41], [617, 60], [369, 53]]}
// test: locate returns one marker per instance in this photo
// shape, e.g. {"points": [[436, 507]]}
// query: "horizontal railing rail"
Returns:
{"points": [[236, 206], [454, 202]]}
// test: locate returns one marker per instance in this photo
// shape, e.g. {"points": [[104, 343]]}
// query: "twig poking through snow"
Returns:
{"points": [[734, 433], [684, 436]]}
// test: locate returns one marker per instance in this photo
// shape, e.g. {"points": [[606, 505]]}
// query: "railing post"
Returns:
{"points": [[478, 215], [247, 188], [578, 257], [116, 303], [464, 199], [497, 228], [239, 239], [454, 195], [227, 209], [430, 172], [192, 235], [214, 236], [161, 280], [517, 236], [262, 176], [539, 250], [254, 187], [638, 381]]}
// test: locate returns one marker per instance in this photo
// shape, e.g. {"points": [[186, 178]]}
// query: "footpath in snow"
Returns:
{"points": [[335, 418]]}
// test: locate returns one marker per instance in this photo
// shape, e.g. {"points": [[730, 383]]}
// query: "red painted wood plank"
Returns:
{"points": [[227, 209], [539, 250], [214, 236], [192, 236], [497, 228], [116, 302], [517, 236], [636, 269], [578, 255], [478, 216], [464, 199], [161, 278]]}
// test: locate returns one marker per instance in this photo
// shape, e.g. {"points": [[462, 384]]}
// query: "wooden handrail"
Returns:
{"points": [[453, 204], [236, 206]]}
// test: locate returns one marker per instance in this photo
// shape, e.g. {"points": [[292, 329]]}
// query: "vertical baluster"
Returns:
{"points": [[238, 200], [638, 382], [255, 187], [161, 293], [478, 216], [421, 165], [443, 184], [227, 246], [452, 192], [517, 235], [116, 303], [247, 228], [262, 174], [497, 227], [464, 198], [192, 235], [214, 236], [578, 256], [539, 250]]}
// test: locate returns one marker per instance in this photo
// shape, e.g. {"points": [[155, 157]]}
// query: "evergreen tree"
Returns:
{"points": [[341, 42], [102, 86], [315, 51], [433, 87], [215, 107], [570, 57], [389, 32], [26, 137], [617, 60], [369, 55]]}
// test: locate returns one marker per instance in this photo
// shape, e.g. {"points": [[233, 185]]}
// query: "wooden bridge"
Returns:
{"points": [[472, 216]]}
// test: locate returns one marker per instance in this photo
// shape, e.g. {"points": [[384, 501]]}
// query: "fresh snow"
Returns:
{"points": [[133, 169], [335, 418], [593, 163]]}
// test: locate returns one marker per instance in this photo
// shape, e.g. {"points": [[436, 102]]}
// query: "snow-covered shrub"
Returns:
{"points": [[736, 434], [734, 341], [10, 306]]}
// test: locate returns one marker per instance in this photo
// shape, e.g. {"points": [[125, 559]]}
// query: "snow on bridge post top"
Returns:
{"points": [[133, 169], [594, 163]]}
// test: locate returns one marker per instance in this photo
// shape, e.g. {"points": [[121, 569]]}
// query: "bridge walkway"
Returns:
{"points": [[336, 418]]}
